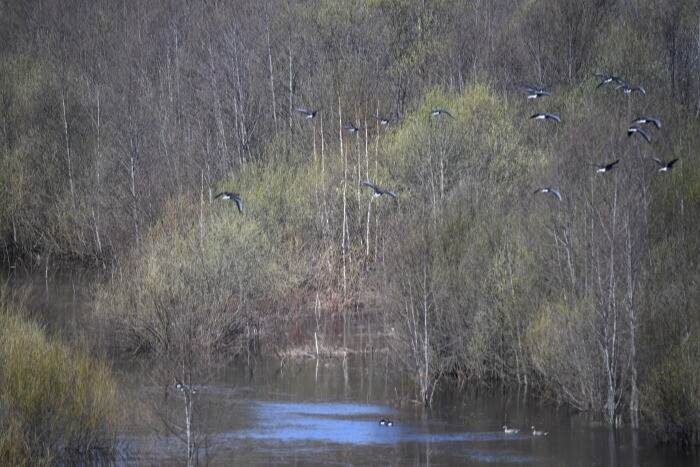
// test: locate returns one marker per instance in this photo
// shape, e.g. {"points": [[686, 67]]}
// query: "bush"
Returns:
{"points": [[672, 399], [194, 287], [55, 404]]}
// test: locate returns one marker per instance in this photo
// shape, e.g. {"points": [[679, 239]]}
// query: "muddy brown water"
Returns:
{"points": [[323, 412]]}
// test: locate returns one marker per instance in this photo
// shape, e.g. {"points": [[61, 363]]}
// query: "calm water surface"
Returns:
{"points": [[309, 412]]}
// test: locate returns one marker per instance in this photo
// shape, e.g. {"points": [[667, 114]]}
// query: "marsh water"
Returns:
{"points": [[326, 412]]}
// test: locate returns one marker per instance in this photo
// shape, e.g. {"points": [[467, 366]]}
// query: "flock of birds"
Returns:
{"points": [[535, 432], [351, 128], [506, 429], [638, 127]]}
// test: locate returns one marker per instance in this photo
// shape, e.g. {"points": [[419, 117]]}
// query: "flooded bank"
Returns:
{"points": [[323, 411]]}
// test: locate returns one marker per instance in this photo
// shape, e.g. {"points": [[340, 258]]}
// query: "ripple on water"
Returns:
{"points": [[358, 424]]}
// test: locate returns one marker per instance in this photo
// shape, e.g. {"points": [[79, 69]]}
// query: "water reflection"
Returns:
{"points": [[347, 423], [308, 427], [313, 412]]}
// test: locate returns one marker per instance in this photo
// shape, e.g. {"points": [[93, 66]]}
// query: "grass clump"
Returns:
{"points": [[56, 404]]}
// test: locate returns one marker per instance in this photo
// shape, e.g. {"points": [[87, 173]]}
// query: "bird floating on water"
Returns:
{"points": [[179, 386], [187, 390], [385, 422], [546, 189], [308, 113], [635, 129], [601, 168], [665, 166], [546, 115], [538, 432], [643, 120], [510, 431], [378, 191], [533, 92], [231, 197], [436, 112]]}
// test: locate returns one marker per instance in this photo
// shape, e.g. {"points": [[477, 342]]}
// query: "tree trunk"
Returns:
{"points": [[66, 135]]}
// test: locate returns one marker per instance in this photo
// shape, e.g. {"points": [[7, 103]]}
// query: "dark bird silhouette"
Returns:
{"points": [[231, 197], [643, 120], [607, 79], [601, 168], [436, 112], [635, 129], [351, 128], [546, 115], [628, 90], [381, 120], [665, 167], [306, 112], [551, 190], [378, 191], [533, 92]]}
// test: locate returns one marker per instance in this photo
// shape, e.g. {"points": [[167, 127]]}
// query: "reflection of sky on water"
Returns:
{"points": [[348, 424]]}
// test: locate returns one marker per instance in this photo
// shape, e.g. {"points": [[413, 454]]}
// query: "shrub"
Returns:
{"points": [[195, 287], [56, 404], [672, 400]]}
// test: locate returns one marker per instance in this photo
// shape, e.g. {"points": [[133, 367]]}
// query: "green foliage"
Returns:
{"points": [[196, 287], [558, 341], [56, 404]]}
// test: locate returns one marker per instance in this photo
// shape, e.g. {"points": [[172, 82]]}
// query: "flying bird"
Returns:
{"points": [[378, 191], [381, 120], [510, 431], [628, 90], [665, 167], [533, 92], [351, 128], [647, 119], [306, 112], [436, 112], [607, 79], [601, 168], [231, 197], [546, 115], [547, 189], [635, 129]]}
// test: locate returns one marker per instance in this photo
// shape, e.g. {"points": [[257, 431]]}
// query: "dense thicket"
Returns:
{"points": [[57, 405], [121, 121]]}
